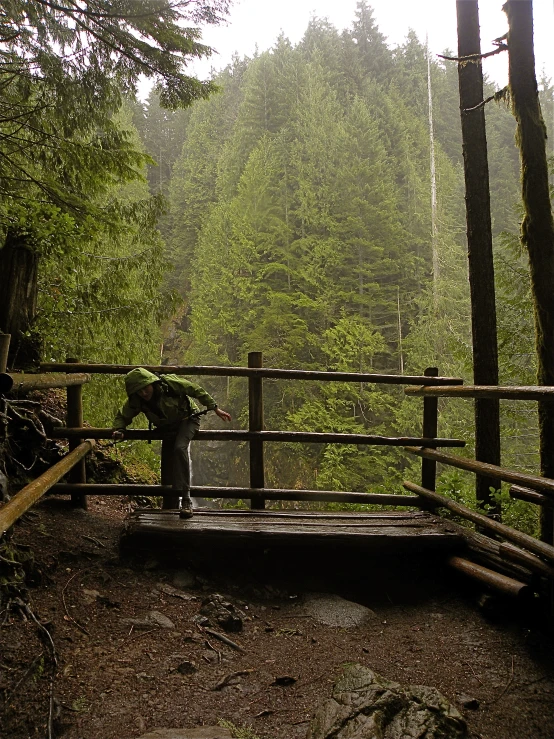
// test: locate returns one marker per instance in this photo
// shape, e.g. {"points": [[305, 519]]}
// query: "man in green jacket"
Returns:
{"points": [[167, 403]]}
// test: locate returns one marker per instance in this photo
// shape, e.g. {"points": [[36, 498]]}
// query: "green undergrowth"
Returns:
{"points": [[238, 732]]}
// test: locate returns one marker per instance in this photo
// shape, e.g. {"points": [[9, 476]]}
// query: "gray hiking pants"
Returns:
{"points": [[175, 464]]}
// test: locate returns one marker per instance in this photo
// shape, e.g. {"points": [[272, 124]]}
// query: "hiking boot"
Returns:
{"points": [[186, 508]]}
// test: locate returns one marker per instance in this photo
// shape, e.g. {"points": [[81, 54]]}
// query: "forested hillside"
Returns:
{"points": [[301, 225], [290, 212]]}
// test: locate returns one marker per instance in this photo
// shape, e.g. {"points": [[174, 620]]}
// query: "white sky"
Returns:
{"points": [[259, 22]]}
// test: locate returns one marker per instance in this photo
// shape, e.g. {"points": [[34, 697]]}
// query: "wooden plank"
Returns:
{"points": [[246, 517], [395, 532]]}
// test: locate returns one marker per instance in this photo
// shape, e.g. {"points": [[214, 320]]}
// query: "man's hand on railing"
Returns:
{"points": [[118, 435], [223, 414]]}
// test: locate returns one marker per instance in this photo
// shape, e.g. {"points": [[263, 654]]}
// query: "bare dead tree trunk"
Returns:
{"points": [[479, 242], [18, 297], [537, 228]]}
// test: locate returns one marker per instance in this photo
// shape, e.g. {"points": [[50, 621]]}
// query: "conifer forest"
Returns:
{"points": [[307, 203]]}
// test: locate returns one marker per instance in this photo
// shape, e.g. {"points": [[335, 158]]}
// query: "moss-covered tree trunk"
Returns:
{"points": [[537, 229], [18, 298], [479, 244]]}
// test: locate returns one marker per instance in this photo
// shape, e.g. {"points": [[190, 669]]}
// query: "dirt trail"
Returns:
{"points": [[117, 678]]}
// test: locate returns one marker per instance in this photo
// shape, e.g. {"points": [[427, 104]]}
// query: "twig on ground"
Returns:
{"points": [[94, 540], [22, 678], [224, 639], [144, 633], [43, 630], [210, 646], [474, 674], [69, 616], [508, 684], [231, 676]]}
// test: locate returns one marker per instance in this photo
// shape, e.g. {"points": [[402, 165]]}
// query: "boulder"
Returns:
{"points": [[365, 705], [221, 612], [332, 610]]}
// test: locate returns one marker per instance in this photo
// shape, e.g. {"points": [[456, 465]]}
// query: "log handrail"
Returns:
{"points": [[511, 392], [29, 495], [328, 496], [264, 372], [26, 381], [517, 492], [543, 484], [524, 540], [306, 437]]}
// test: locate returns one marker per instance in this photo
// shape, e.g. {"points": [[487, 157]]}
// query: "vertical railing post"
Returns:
{"points": [[75, 420], [430, 429], [256, 423], [4, 351]]}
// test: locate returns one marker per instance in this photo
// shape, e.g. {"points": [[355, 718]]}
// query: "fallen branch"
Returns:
{"points": [[43, 630], [68, 615], [93, 540], [22, 678], [227, 679], [508, 684], [224, 639]]}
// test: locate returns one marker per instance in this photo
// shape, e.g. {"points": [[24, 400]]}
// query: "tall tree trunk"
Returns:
{"points": [[18, 298], [433, 176], [537, 228], [479, 243]]}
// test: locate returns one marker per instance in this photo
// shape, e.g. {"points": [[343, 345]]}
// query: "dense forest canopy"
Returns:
{"points": [[298, 222]]}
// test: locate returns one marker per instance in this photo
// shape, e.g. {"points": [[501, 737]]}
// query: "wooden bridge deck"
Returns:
{"points": [[390, 530]]}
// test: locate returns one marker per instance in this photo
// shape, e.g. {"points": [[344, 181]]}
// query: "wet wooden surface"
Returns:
{"points": [[396, 530]]}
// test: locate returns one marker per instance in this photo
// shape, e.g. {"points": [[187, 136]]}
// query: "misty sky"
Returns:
{"points": [[257, 23]]}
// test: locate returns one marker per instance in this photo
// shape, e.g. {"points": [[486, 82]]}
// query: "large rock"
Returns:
{"points": [[221, 612], [366, 706], [332, 610]]}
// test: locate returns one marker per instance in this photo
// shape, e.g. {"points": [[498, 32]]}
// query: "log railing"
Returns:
{"points": [[529, 488], [29, 495], [516, 568], [256, 436]]}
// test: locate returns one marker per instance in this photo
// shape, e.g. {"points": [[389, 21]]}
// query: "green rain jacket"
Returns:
{"points": [[172, 398]]}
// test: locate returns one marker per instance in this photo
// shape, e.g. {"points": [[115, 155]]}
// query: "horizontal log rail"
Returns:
{"points": [[322, 496], [515, 392], [267, 372], [304, 437], [543, 484], [502, 583], [29, 495], [530, 496], [524, 540], [26, 381]]}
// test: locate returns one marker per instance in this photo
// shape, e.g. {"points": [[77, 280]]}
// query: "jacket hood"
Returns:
{"points": [[138, 378]]}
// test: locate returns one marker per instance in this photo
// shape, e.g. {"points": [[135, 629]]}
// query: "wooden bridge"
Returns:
{"points": [[500, 557]]}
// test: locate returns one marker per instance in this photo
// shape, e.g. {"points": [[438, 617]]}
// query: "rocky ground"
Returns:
{"points": [[112, 648]]}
